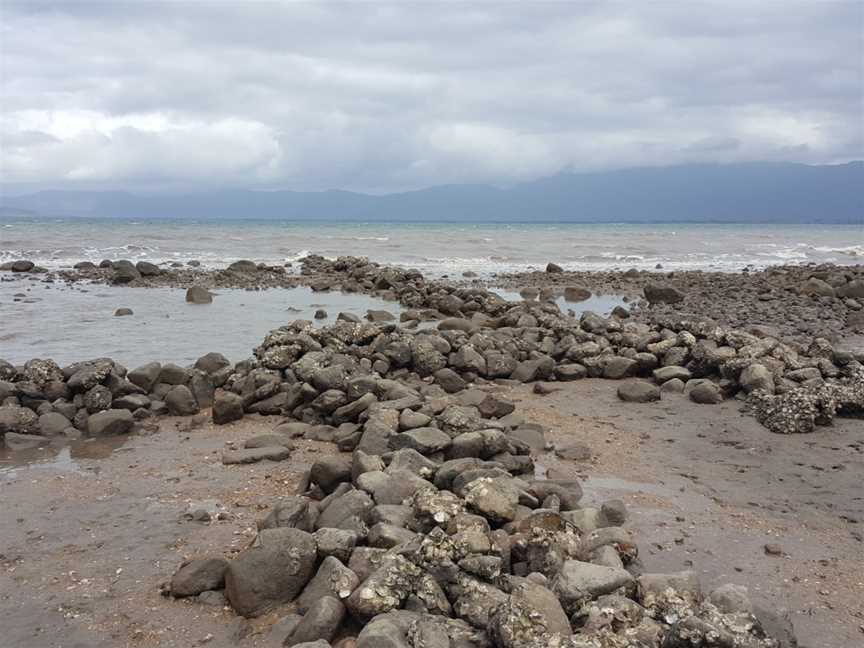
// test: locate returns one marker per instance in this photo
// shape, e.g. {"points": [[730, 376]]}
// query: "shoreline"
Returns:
{"points": [[344, 383]]}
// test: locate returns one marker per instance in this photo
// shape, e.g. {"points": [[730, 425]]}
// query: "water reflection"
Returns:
{"points": [[60, 455]]}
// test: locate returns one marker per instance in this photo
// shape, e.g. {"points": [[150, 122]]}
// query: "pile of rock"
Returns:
{"points": [[434, 533], [796, 301], [40, 401]]}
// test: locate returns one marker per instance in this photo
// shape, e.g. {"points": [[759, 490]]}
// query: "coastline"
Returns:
{"points": [[804, 341]]}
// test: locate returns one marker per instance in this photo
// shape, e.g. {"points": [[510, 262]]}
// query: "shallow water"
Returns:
{"points": [[434, 248], [73, 323], [600, 304], [60, 455]]}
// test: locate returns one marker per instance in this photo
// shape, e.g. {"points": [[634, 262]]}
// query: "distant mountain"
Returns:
{"points": [[754, 192]]}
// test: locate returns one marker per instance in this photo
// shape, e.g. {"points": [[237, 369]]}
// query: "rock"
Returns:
{"points": [[567, 372], [122, 312], [852, 290], [320, 623], [110, 422], [638, 391], [530, 614], [671, 372], [97, 399], [817, 287], [145, 376], [181, 402], [576, 452], [198, 295], [272, 572], [706, 393], [379, 316], [332, 579], [756, 376], [674, 386], [22, 266], [579, 581], [450, 381], [16, 441], [243, 265], [53, 424], [198, 576], [320, 314], [171, 374], [662, 294], [576, 293], [227, 407], [254, 455], [131, 402], [147, 269], [554, 268], [425, 440], [21, 420], [495, 498], [531, 370], [330, 471], [211, 363], [619, 367], [125, 274], [384, 590]]}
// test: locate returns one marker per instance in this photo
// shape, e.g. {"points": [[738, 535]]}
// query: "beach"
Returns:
{"points": [[658, 418]]}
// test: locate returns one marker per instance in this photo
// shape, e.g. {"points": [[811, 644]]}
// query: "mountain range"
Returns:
{"points": [[751, 192]]}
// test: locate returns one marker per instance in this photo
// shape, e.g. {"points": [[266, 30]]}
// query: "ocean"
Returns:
{"points": [[435, 249], [74, 323]]}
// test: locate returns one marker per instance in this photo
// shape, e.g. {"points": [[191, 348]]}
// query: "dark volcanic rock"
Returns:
{"points": [[273, 571], [662, 294]]}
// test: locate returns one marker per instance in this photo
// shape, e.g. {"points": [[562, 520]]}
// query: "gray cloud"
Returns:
{"points": [[380, 97]]}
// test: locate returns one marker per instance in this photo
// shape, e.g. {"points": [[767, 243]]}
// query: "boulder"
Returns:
{"points": [[706, 393], [145, 376], [817, 287], [579, 581], [52, 424], [198, 295], [638, 391], [110, 422], [125, 274], [271, 572], [320, 623], [198, 576], [553, 268], [657, 293], [576, 293], [22, 266], [227, 407], [756, 376], [21, 420], [181, 401], [147, 269]]}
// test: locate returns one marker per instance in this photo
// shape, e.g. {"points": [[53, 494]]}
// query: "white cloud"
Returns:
{"points": [[391, 96]]}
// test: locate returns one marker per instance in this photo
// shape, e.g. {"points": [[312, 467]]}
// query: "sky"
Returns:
{"points": [[380, 97]]}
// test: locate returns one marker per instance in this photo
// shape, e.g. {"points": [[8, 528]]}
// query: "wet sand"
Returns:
{"points": [[88, 539]]}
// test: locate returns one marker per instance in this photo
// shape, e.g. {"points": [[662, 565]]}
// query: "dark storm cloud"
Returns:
{"points": [[387, 96]]}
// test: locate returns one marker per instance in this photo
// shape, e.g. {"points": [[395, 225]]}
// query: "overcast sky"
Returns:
{"points": [[383, 97]]}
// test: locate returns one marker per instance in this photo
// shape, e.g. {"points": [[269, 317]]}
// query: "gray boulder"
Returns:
{"points": [[638, 391], [227, 407], [181, 401], [273, 571], [110, 422], [657, 293]]}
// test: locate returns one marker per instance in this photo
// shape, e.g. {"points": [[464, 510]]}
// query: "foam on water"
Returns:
{"points": [[436, 249]]}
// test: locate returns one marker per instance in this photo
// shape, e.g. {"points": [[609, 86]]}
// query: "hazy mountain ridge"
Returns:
{"points": [[753, 192]]}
